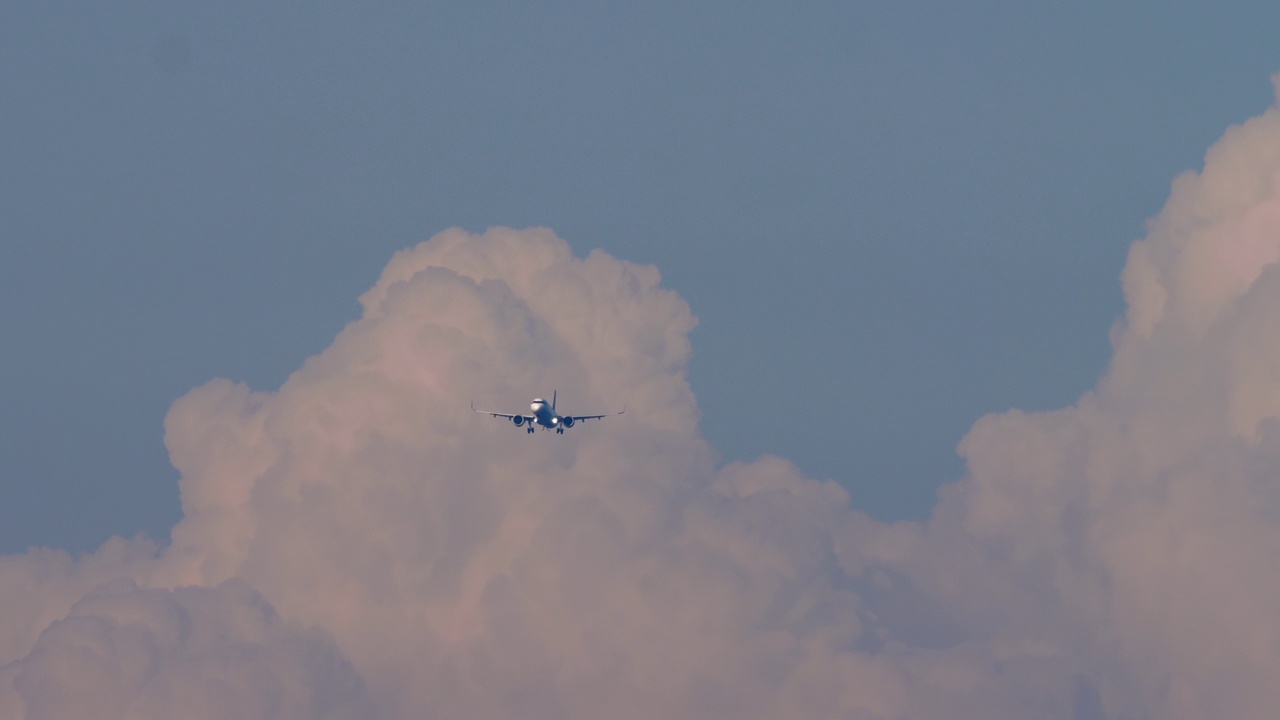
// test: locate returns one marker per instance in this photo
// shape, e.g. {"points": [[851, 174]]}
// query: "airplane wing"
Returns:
{"points": [[508, 416], [576, 418]]}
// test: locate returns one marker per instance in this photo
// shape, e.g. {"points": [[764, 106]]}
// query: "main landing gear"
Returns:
{"points": [[529, 429]]}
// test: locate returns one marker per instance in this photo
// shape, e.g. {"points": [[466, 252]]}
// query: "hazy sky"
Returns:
{"points": [[889, 218]]}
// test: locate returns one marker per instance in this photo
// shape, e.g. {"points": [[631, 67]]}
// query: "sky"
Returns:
{"points": [[947, 339], [890, 219]]}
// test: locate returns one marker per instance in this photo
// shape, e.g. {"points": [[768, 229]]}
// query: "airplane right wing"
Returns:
{"points": [[505, 416]]}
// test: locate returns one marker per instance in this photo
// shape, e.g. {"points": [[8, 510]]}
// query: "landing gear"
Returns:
{"points": [[529, 430], [559, 431]]}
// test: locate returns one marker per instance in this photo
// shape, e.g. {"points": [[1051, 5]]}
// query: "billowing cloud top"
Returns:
{"points": [[359, 544]]}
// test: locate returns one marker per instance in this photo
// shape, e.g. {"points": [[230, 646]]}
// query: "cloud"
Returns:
{"points": [[359, 543], [193, 652]]}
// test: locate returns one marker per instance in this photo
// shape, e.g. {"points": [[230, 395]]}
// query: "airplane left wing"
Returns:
{"points": [[576, 418]]}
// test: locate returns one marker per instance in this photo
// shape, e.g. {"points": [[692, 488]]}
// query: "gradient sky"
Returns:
{"points": [[890, 218]]}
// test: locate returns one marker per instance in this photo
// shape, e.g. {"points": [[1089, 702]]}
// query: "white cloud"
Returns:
{"points": [[1112, 559], [220, 652]]}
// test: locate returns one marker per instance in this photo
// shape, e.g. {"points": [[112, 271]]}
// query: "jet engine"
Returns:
{"points": [[567, 422], [518, 420]]}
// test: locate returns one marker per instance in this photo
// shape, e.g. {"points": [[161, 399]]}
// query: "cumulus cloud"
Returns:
{"points": [[357, 543], [192, 652]]}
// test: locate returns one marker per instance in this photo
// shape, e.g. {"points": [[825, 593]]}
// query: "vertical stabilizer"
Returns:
{"points": [[553, 401]]}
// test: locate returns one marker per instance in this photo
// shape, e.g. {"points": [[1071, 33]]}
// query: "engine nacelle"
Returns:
{"points": [[567, 422], [518, 420]]}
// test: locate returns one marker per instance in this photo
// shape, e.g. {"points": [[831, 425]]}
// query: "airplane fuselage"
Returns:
{"points": [[544, 414]]}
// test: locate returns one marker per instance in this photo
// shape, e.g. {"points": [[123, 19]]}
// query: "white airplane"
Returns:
{"points": [[544, 414]]}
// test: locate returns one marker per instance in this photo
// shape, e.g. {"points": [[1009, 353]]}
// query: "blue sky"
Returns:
{"points": [[890, 218]]}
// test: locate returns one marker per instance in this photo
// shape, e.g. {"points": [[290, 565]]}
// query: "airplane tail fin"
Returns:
{"points": [[553, 401]]}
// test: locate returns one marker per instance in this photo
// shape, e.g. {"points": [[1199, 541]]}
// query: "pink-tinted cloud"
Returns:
{"points": [[359, 542], [192, 652]]}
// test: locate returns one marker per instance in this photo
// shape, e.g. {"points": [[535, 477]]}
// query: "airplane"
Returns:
{"points": [[544, 414]]}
